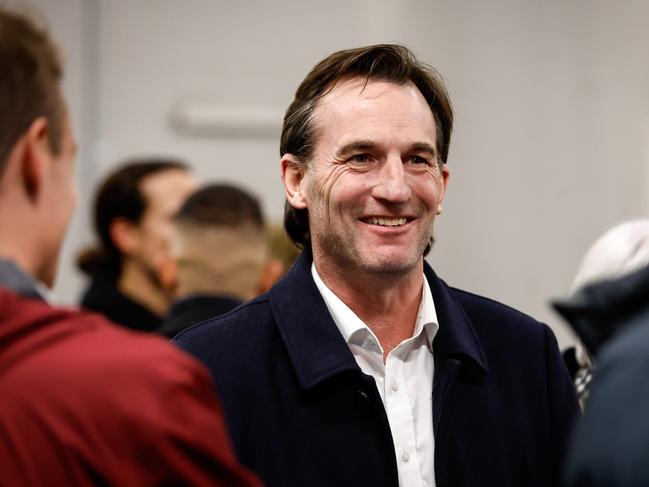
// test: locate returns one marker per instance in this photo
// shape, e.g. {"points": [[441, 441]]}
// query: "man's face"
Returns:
{"points": [[373, 186], [164, 192]]}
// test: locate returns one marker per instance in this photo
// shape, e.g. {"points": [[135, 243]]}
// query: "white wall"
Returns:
{"points": [[550, 143], [73, 25]]}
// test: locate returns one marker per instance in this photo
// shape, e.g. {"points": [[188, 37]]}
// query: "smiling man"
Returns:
{"points": [[361, 366]]}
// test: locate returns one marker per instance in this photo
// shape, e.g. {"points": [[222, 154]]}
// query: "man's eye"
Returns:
{"points": [[360, 158], [418, 160]]}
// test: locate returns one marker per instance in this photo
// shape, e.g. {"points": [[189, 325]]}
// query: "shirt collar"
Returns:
{"points": [[14, 278], [354, 330], [427, 316]]}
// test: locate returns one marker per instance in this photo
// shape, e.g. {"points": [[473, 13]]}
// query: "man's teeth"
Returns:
{"points": [[387, 222]]}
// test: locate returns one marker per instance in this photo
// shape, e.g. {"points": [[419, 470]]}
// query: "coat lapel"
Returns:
{"points": [[456, 344], [315, 346]]}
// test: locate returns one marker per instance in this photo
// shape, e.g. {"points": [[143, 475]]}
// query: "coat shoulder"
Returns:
{"points": [[476, 303], [245, 316], [493, 317], [232, 335]]}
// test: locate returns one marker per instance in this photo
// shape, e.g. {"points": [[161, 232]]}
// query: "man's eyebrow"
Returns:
{"points": [[368, 145], [424, 147], [356, 145]]}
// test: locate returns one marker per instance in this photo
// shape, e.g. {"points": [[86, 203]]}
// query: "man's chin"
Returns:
{"points": [[392, 265]]}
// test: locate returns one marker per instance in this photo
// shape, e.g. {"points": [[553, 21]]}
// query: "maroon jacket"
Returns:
{"points": [[83, 402]]}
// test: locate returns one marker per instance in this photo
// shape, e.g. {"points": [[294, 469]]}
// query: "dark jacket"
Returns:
{"points": [[195, 308], [301, 412], [104, 297], [610, 443]]}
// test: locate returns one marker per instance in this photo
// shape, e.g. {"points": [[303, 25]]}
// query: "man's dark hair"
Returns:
{"points": [[120, 195], [30, 75], [382, 62], [221, 205]]}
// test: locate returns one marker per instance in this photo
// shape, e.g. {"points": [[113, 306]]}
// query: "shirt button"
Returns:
{"points": [[405, 457], [394, 387]]}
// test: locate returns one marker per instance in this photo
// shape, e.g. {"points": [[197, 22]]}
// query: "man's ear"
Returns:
{"points": [[123, 233], [293, 172], [443, 185], [36, 156]]}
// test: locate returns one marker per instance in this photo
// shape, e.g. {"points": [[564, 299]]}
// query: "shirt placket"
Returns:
{"points": [[399, 411]]}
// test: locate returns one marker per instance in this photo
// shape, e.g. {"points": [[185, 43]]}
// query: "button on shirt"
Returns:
{"points": [[404, 381]]}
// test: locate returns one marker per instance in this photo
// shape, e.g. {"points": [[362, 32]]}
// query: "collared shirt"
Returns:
{"points": [[404, 381], [14, 278]]}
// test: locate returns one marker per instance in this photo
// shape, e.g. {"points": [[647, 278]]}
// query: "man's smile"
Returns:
{"points": [[386, 221]]}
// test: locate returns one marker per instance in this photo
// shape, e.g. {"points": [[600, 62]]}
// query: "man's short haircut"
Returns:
{"points": [[222, 205], [120, 196], [382, 62], [30, 75], [219, 245]]}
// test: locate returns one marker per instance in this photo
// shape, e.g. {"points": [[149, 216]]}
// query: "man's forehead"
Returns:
{"points": [[167, 187], [355, 104], [360, 88]]}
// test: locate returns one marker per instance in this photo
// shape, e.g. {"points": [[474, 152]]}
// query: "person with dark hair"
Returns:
{"points": [[370, 369], [219, 256], [133, 216], [82, 401]]}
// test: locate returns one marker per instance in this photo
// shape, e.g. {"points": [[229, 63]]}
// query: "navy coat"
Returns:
{"points": [[302, 413]]}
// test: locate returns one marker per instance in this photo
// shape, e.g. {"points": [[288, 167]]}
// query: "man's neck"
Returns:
{"points": [[388, 304], [139, 284]]}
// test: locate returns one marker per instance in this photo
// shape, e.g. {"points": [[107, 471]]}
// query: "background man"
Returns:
{"points": [[83, 402], [134, 209], [219, 256], [370, 369]]}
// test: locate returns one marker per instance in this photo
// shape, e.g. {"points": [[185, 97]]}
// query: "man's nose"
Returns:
{"points": [[391, 184]]}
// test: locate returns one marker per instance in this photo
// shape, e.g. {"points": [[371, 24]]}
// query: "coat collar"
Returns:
{"points": [[317, 349], [14, 278], [456, 337]]}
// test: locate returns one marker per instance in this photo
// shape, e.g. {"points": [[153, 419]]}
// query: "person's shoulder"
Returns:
{"points": [[243, 338], [246, 318], [98, 349], [486, 312], [71, 351], [629, 347], [478, 302]]}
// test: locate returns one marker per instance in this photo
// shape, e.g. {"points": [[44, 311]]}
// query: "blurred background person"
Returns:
{"points": [[219, 256], [82, 402], [619, 251], [133, 214], [609, 310], [282, 249]]}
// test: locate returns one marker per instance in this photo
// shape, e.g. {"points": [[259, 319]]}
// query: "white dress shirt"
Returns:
{"points": [[404, 381]]}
